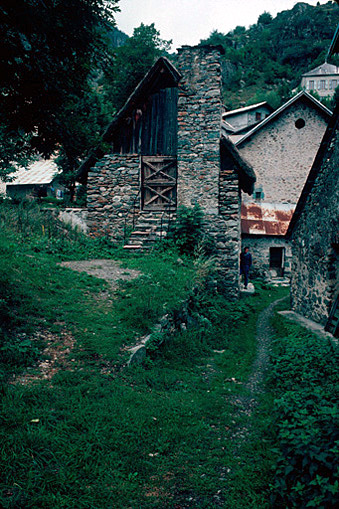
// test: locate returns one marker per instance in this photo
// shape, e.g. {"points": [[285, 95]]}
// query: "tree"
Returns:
{"points": [[48, 50], [265, 18], [131, 62]]}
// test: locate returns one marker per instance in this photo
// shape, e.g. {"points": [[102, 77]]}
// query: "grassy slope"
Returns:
{"points": [[158, 436]]}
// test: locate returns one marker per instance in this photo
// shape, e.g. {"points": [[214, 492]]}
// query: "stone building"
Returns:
{"points": [[238, 122], [314, 232], [281, 150], [324, 79], [167, 150]]}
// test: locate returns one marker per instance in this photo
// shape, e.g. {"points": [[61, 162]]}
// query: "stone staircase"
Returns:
{"points": [[149, 228]]}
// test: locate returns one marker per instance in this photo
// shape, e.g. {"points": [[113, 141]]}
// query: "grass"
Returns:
{"points": [[96, 436]]}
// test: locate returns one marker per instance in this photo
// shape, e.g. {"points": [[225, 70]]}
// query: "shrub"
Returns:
{"points": [[187, 232], [306, 415]]}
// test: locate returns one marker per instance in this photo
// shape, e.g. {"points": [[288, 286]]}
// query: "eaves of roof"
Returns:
{"points": [[143, 88], [301, 95], [245, 108], [334, 46], [247, 177]]}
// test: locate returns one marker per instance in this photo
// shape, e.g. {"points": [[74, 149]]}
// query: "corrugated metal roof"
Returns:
{"points": [[39, 172], [266, 218]]}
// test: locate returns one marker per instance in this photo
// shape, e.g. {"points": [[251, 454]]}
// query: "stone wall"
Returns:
{"points": [[282, 155], [115, 181], [113, 185], [75, 217], [202, 177], [199, 119], [315, 241], [247, 118], [260, 250]]}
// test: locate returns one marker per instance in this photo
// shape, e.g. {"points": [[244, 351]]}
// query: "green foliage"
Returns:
{"points": [[272, 54], [153, 436], [38, 228], [131, 62], [187, 231], [304, 376], [48, 52]]}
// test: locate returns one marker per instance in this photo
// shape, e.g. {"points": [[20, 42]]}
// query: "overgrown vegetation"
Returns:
{"points": [[304, 377], [37, 292], [265, 62], [93, 435], [187, 232]]}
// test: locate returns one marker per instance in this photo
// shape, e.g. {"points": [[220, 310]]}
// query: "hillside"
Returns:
{"points": [[266, 61]]}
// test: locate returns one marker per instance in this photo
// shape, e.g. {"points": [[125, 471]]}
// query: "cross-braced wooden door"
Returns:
{"points": [[158, 182]]}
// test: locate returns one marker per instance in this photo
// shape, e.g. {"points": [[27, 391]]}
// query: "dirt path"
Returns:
{"points": [[246, 404], [110, 270]]}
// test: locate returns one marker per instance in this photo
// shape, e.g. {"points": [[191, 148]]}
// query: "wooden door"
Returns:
{"points": [[158, 182]]}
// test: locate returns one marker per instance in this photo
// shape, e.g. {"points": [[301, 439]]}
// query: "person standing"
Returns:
{"points": [[245, 264]]}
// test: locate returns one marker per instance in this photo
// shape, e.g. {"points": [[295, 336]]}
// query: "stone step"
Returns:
{"points": [[141, 232], [132, 246]]}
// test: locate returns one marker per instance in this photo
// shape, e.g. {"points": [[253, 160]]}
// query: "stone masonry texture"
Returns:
{"points": [[113, 186], [282, 155], [260, 249], [201, 176], [114, 182], [315, 270]]}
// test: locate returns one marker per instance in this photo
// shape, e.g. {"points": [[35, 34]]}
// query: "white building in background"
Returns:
{"points": [[324, 79], [37, 180]]}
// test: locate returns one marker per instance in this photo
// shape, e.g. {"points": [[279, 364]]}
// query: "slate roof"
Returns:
{"points": [[38, 173], [334, 46], [245, 171], [323, 69], [265, 218], [245, 109], [303, 95]]}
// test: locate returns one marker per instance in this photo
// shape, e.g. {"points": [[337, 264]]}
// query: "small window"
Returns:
{"points": [[311, 85], [322, 84], [257, 115], [258, 193], [300, 123], [334, 84]]}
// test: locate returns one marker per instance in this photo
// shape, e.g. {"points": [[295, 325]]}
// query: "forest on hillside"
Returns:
{"points": [[60, 96], [266, 61]]}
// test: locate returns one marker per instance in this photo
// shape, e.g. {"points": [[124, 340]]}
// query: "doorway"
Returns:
{"points": [[277, 259]]}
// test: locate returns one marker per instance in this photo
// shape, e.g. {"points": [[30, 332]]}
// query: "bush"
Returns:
{"points": [[187, 232], [306, 416]]}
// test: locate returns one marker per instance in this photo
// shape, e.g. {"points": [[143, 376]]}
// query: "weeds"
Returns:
{"points": [[305, 380], [161, 435]]}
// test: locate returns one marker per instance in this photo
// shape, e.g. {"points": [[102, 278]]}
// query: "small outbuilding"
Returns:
{"points": [[167, 150], [38, 180]]}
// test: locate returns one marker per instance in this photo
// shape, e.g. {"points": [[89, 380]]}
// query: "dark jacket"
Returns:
{"points": [[245, 261]]}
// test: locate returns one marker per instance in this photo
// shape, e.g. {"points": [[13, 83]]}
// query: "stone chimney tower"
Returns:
{"points": [[199, 121]]}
